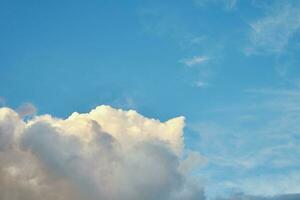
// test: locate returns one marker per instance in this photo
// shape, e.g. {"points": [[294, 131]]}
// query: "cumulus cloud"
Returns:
{"points": [[107, 154]]}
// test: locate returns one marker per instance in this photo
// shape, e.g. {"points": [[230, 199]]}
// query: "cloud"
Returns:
{"points": [[2, 101], [273, 32], [201, 84], [193, 161], [227, 4], [125, 101], [164, 21], [196, 60], [267, 165], [26, 109], [271, 185], [203, 73], [107, 154], [278, 197]]}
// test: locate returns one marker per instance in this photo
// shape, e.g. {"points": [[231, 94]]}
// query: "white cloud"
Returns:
{"points": [[195, 60], [203, 71], [104, 154], [272, 32], [227, 4], [201, 84]]}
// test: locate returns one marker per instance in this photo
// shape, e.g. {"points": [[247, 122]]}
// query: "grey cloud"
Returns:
{"points": [[2, 101], [22, 176], [26, 109]]}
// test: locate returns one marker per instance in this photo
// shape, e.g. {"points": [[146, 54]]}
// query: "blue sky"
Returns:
{"points": [[230, 67]]}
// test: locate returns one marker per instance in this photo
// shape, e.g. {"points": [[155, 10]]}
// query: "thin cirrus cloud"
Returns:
{"points": [[104, 154], [194, 61], [227, 4], [204, 74], [201, 84], [273, 185], [274, 154], [2, 101], [273, 32], [250, 197]]}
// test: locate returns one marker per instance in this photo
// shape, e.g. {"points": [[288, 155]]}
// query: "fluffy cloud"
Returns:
{"points": [[105, 154]]}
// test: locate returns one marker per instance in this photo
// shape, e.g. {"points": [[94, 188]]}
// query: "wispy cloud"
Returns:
{"points": [[201, 84], [272, 32], [274, 153], [227, 4], [2, 101], [195, 60], [271, 185], [166, 22], [203, 72], [262, 197], [26, 109]]}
